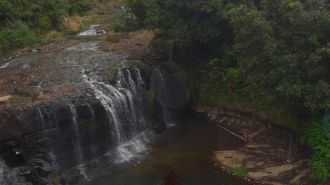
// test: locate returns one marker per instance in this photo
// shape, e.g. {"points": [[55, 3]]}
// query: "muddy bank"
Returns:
{"points": [[270, 154]]}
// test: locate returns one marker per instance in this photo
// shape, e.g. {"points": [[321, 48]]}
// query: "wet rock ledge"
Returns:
{"points": [[63, 109]]}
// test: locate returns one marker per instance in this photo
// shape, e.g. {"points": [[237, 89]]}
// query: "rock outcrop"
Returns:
{"points": [[64, 112]]}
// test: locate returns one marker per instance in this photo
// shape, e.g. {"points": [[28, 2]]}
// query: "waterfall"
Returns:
{"points": [[92, 112], [41, 162], [47, 117], [124, 106], [3, 171], [80, 119], [162, 98], [77, 143], [41, 118], [129, 129], [140, 80], [13, 176], [134, 146]]}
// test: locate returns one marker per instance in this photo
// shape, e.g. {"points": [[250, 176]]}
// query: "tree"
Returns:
{"points": [[270, 55]]}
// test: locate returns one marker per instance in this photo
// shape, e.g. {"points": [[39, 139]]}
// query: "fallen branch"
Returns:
{"points": [[233, 133]]}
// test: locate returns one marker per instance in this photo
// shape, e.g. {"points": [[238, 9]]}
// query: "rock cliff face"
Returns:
{"points": [[70, 112]]}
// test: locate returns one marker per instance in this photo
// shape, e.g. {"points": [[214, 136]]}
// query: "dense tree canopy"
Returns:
{"points": [[269, 55]]}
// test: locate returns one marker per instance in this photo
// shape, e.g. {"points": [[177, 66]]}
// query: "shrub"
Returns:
{"points": [[78, 7], [238, 171], [19, 35], [23, 22], [318, 139]]}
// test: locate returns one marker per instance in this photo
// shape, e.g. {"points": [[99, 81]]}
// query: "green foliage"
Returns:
{"points": [[283, 59], [16, 36], [7, 12], [238, 171], [181, 21], [318, 140], [271, 56], [276, 52], [22, 22], [134, 15], [78, 7]]}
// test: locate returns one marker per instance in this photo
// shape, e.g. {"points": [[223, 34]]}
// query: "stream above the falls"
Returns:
{"points": [[182, 152]]}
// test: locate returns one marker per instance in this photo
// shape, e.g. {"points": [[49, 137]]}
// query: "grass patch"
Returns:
{"points": [[238, 171], [115, 37], [27, 23]]}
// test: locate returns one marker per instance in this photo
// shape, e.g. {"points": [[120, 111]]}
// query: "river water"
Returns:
{"points": [[182, 153]]}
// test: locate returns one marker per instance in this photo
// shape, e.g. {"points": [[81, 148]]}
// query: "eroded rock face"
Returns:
{"points": [[70, 111], [172, 90]]}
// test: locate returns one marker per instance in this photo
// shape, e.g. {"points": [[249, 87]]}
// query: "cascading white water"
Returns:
{"points": [[93, 30], [41, 117], [124, 107], [134, 146], [3, 171], [132, 84], [140, 80], [123, 120], [47, 117], [162, 97], [79, 152], [92, 112], [11, 176], [5, 65]]}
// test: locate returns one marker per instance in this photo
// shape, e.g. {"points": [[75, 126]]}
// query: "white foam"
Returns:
{"points": [[5, 65], [93, 30]]}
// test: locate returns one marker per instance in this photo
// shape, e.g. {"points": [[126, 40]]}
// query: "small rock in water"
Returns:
{"points": [[35, 50], [100, 32]]}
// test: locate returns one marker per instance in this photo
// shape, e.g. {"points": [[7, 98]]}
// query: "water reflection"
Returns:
{"points": [[181, 155]]}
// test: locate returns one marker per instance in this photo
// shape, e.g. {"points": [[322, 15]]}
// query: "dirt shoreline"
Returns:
{"points": [[269, 155]]}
